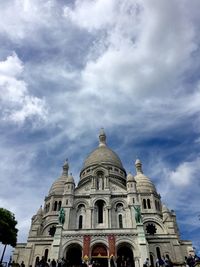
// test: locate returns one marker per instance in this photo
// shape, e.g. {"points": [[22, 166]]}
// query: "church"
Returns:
{"points": [[108, 213]]}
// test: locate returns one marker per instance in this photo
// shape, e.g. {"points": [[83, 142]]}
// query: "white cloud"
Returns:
{"points": [[17, 104], [138, 62], [92, 15], [185, 173], [23, 18], [122, 65]]}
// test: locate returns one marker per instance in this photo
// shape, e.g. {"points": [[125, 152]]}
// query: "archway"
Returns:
{"points": [[125, 256], [74, 255], [99, 255]]}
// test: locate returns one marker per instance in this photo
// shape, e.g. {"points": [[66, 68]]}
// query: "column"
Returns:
{"points": [[143, 245], [109, 216], [86, 247], [55, 247], [111, 243], [91, 217]]}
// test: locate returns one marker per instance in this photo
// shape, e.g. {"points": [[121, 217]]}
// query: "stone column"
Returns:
{"points": [[111, 242], [86, 246], [109, 216], [106, 182], [55, 247], [91, 218], [131, 214], [93, 182], [143, 245]]}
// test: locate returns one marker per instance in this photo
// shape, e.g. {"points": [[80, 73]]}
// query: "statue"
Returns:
{"points": [[138, 217], [61, 217]]}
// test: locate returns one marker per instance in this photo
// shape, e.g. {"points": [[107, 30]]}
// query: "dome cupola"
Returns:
{"points": [[58, 186], [130, 178], [143, 183], [103, 155], [70, 179]]}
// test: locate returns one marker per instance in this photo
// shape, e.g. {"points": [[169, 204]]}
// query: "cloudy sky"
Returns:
{"points": [[68, 68]]}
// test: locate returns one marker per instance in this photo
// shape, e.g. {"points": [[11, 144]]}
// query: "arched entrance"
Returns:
{"points": [[74, 255], [99, 255], [125, 256]]}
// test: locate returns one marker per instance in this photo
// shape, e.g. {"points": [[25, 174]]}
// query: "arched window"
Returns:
{"points": [[120, 221], [55, 205], [156, 204], [46, 254], [144, 204], [80, 222], [52, 230], [100, 204], [158, 252], [59, 205], [80, 215], [148, 203]]}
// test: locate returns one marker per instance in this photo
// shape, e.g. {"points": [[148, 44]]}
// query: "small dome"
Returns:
{"points": [[40, 211], [164, 208], [143, 183], [130, 178], [58, 186], [137, 162], [70, 178], [103, 154]]}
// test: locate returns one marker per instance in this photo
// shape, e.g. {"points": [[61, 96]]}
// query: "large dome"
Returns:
{"points": [[103, 154]]}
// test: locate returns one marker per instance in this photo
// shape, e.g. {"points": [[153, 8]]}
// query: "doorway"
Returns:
{"points": [[125, 256], [74, 256], [99, 256]]}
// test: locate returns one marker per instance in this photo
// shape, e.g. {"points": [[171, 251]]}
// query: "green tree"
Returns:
{"points": [[8, 230]]}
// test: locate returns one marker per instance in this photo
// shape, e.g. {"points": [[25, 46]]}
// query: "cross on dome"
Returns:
{"points": [[138, 165], [102, 137], [65, 168]]}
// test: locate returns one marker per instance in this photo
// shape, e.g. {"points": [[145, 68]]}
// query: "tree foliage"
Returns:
{"points": [[8, 230]]}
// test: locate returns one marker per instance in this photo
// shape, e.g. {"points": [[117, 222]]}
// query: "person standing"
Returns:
{"points": [[146, 263], [53, 263], [112, 262]]}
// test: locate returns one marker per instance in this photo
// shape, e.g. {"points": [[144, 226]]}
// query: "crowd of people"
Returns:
{"points": [[50, 263], [191, 261], [165, 261], [120, 261]]}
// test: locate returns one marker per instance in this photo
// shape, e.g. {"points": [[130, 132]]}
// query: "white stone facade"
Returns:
{"points": [[100, 217]]}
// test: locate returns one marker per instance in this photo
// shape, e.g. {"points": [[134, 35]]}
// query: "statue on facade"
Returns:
{"points": [[138, 216], [61, 217]]}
